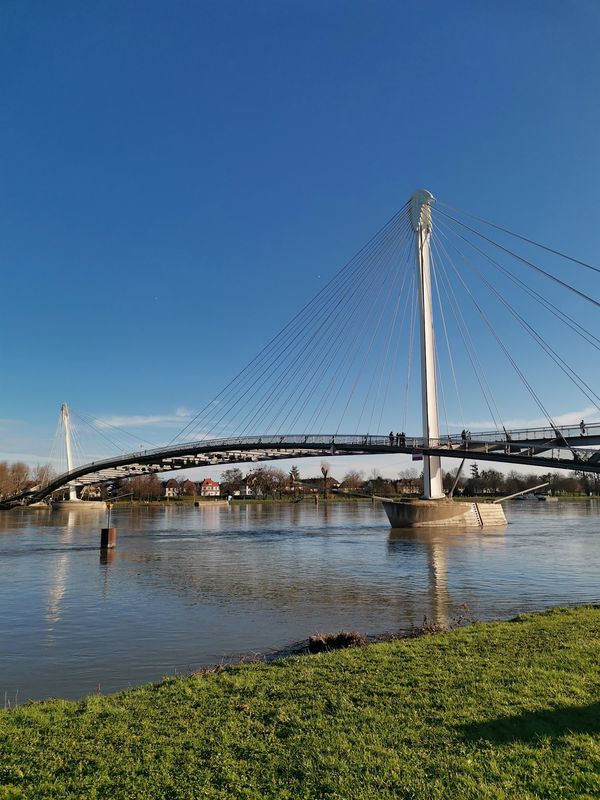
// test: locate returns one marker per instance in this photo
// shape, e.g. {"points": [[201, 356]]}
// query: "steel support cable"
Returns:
{"points": [[411, 346], [271, 371], [100, 423], [90, 420], [409, 302], [75, 451], [299, 343], [393, 255], [114, 444], [533, 394], [573, 376], [382, 363], [326, 401], [62, 445], [388, 342], [290, 341], [331, 283], [370, 346], [290, 372], [340, 289], [76, 447], [567, 320], [349, 318], [437, 362], [477, 365], [470, 348], [505, 349], [57, 446], [267, 369], [520, 236], [523, 260], [577, 379], [326, 364], [449, 350], [290, 329], [328, 323]]}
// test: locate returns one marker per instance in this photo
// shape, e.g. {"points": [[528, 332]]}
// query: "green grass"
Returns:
{"points": [[497, 710]]}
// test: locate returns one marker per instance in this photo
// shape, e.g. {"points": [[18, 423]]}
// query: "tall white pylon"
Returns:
{"points": [[66, 423], [420, 217]]}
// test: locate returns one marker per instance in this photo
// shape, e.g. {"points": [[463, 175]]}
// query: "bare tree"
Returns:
{"points": [[43, 474], [267, 481], [142, 487], [353, 480], [325, 467], [19, 477], [231, 480], [4, 479]]}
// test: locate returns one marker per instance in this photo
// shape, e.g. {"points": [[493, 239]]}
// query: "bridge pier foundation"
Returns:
{"points": [[444, 513]]}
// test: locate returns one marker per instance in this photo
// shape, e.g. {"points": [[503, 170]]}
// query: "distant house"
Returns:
{"points": [[244, 491], [172, 489], [209, 488], [408, 486], [316, 484], [188, 488]]}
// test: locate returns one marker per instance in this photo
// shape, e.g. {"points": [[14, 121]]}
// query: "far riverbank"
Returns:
{"points": [[307, 499]]}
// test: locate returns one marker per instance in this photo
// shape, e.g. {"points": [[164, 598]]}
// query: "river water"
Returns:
{"points": [[191, 587]]}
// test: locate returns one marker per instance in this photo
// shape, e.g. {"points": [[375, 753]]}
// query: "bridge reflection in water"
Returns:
{"points": [[436, 545]]}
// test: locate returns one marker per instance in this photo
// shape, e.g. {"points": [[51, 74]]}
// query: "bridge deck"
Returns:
{"points": [[563, 448]]}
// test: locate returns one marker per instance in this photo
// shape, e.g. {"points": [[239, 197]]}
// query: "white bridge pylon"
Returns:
{"points": [[66, 425], [420, 218]]}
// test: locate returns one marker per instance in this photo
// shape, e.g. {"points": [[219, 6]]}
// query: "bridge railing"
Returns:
{"points": [[560, 433]]}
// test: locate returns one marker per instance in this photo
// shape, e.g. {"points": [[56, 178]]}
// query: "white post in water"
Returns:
{"points": [[64, 411], [420, 217]]}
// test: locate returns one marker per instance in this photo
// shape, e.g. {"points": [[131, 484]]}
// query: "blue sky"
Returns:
{"points": [[178, 178]]}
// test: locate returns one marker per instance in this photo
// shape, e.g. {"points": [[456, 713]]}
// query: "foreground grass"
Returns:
{"points": [[500, 710]]}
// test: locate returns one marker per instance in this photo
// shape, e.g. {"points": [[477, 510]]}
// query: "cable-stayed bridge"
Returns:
{"points": [[441, 314], [546, 448]]}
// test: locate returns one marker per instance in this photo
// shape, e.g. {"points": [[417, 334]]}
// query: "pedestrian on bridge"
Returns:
{"points": [[582, 427], [391, 438]]}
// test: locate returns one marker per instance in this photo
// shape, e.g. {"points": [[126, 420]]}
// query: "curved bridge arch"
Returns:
{"points": [[562, 448]]}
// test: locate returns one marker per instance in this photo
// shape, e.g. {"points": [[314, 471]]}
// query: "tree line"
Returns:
{"points": [[18, 476], [269, 481]]}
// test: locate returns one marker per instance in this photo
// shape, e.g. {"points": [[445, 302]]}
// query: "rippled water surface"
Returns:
{"points": [[188, 587]]}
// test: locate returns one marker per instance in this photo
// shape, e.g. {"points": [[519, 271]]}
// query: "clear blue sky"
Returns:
{"points": [[178, 178]]}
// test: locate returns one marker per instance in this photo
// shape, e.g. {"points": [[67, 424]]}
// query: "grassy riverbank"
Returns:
{"points": [[499, 710]]}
